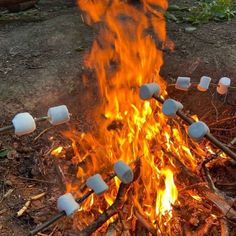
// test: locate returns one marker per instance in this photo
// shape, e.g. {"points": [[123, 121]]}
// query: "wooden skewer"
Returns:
{"points": [[11, 127], [80, 200], [61, 214]]}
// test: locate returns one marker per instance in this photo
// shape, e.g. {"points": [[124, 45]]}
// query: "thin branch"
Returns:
{"points": [[108, 213]]}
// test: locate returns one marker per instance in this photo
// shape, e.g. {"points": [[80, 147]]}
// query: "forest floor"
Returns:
{"points": [[41, 62]]}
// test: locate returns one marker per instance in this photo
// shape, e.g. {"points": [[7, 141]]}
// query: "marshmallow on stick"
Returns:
{"points": [[68, 204]]}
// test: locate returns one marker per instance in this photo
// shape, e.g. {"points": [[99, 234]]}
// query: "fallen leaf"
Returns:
{"points": [[4, 152]]}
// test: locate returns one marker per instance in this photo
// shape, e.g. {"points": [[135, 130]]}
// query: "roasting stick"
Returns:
{"points": [[63, 213], [209, 136], [117, 168], [11, 127], [80, 200], [24, 123]]}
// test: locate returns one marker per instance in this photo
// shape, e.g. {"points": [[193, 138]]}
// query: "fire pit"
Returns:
{"points": [[172, 192]]}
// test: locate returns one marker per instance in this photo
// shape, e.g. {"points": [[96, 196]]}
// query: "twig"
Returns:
{"points": [[224, 227], [40, 134], [197, 185], [53, 231], [213, 104], [224, 129], [222, 120], [8, 193], [60, 174], [23, 209], [27, 204], [3, 211], [206, 173], [207, 176], [36, 180]]}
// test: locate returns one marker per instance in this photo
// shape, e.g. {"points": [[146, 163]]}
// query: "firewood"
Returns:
{"points": [[144, 222], [222, 204], [108, 213], [114, 208], [140, 229]]}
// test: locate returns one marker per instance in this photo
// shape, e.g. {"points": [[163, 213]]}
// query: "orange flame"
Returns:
{"points": [[125, 55], [56, 152]]}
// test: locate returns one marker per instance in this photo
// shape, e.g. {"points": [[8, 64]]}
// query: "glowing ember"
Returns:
{"points": [[56, 152], [124, 56]]}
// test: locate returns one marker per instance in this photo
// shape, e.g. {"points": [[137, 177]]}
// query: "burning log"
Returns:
{"points": [[144, 222], [223, 205]]}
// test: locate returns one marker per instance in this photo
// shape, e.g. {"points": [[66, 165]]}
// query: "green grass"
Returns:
{"points": [[203, 11]]}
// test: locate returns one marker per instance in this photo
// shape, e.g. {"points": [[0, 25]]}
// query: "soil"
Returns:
{"points": [[41, 62]]}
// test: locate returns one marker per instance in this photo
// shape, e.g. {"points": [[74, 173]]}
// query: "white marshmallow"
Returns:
{"points": [[204, 83], [183, 83], [58, 115], [68, 204], [97, 184], [198, 130], [170, 107], [148, 90], [23, 123], [223, 85], [123, 172]]}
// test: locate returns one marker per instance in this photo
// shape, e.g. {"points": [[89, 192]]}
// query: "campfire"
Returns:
{"points": [[167, 195]]}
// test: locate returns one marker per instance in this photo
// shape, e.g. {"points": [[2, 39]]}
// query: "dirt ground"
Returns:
{"points": [[41, 60]]}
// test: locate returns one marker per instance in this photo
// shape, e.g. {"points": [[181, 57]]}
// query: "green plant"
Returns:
{"points": [[205, 11]]}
